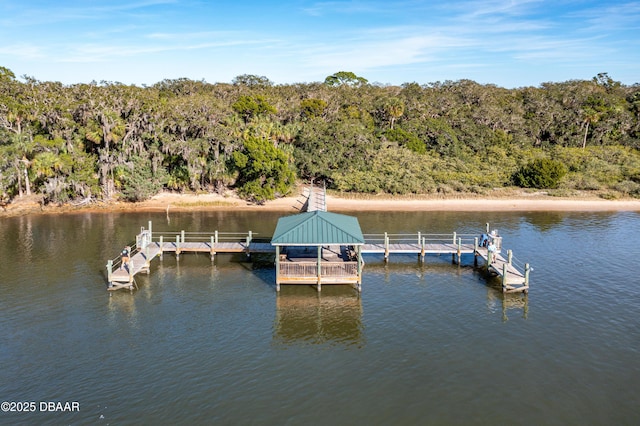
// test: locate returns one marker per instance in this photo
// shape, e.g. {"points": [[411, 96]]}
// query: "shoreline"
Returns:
{"points": [[170, 202]]}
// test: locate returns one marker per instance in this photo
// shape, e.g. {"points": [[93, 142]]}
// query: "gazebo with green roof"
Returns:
{"points": [[318, 247]]}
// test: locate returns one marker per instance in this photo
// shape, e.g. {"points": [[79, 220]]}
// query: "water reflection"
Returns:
{"points": [[331, 316], [510, 303], [121, 309]]}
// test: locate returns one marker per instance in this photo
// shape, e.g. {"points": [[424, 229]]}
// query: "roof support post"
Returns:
{"points": [[319, 266], [277, 268], [359, 252]]}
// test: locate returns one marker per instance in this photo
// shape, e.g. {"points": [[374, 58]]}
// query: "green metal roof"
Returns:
{"points": [[317, 228]]}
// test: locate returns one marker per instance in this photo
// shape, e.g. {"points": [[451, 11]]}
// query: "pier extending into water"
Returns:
{"points": [[333, 264]]}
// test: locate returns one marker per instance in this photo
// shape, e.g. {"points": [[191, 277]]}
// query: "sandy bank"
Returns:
{"points": [[187, 202]]}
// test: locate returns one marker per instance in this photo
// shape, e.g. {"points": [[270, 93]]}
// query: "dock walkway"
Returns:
{"points": [[149, 245]]}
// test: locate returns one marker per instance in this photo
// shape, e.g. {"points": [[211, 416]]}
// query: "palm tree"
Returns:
{"points": [[394, 108]]}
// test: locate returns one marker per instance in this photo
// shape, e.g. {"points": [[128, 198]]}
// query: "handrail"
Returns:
{"points": [[420, 238], [204, 236]]}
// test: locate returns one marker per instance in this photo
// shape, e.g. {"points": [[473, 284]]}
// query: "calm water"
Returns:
{"points": [[203, 343]]}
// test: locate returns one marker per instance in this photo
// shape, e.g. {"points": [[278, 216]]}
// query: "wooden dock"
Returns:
{"points": [[146, 249], [513, 279], [149, 245]]}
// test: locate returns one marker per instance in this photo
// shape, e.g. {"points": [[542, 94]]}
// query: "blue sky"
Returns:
{"points": [[507, 43]]}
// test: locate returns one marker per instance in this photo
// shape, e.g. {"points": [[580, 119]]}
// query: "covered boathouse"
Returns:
{"points": [[318, 247]]}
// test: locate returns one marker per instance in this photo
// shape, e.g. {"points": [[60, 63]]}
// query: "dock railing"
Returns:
{"points": [[214, 237], [419, 238], [310, 269]]}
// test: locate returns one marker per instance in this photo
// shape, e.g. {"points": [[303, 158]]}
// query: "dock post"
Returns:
{"points": [[213, 248], [147, 261], [177, 247], [459, 250], [527, 270], [453, 255], [216, 237], [509, 256], [319, 267], [487, 228], [277, 268], [150, 231], [422, 250], [504, 277], [475, 251], [359, 255], [182, 236], [249, 238], [161, 246], [109, 271], [386, 247]]}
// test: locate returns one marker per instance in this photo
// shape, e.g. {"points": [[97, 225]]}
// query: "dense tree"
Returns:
{"points": [[108, 140], [265, 171]]}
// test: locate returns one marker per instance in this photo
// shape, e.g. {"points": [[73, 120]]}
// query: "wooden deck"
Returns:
{"points": [[124, 277], [338, 269], [513, 280]]}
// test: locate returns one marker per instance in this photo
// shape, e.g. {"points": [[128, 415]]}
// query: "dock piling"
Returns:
{"points": [[386, 247], [504, 277]]}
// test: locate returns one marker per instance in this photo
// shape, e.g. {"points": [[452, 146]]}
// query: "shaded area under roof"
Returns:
{"points": [[317, 228]]}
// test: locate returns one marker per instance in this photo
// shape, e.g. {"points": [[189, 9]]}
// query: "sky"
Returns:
{"points": [[510, 44]]}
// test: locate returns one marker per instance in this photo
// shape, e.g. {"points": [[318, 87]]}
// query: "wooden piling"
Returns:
{"points": [[147, 261], [386, 247], [475, 251], [504, 277]]}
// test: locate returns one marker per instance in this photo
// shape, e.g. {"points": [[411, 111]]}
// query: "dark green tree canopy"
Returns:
{"points": [[345, 78], [252, 106], [542, 173]]}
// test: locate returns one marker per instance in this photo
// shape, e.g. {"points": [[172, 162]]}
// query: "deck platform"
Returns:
{"points": [[340, 268]]}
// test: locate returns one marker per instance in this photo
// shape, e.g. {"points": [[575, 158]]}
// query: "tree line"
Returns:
{"points": [[107, 140]]}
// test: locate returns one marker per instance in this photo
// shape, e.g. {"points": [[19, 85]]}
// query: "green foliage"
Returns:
{"points": [[252, 106], [86, 140], [345, 78], [542, 173], [312, 107], [389, 171], [252, 80], [324, 148], [406, 139], [138, 182], [265, 171]]}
